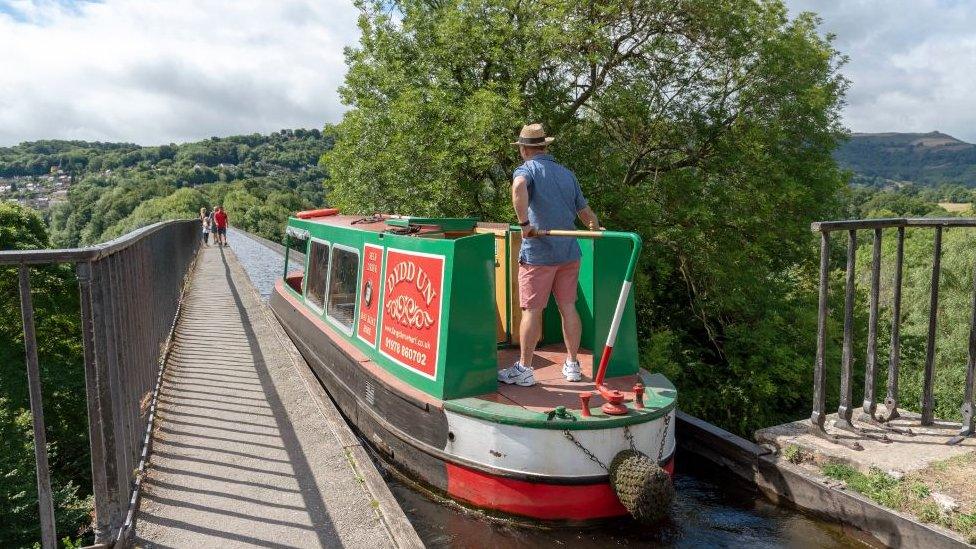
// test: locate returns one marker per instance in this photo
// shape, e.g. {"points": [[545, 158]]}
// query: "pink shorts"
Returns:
{"points": [[536, 282]]}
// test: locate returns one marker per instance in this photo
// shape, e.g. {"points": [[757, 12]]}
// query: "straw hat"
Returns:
{"points": [[533, 135]]}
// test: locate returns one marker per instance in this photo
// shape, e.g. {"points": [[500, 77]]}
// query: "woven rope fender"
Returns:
{"points": [[644, 488]]}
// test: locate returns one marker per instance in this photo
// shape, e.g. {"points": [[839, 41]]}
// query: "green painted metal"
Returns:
{"points": [[287, 250], [604, 265], [508, 284], [659, 400], [471, 339], [635, 243], [445, 223], [467, 361]]}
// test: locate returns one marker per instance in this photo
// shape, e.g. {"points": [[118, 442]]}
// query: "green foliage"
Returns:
{"points": [[707, 127], [180, 204], [793, 454], [910, 494], [55, 298], [953, 322], [877, 485], [121, 188], [899, 204]]}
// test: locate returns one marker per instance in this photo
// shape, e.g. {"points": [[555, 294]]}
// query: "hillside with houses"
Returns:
{"points": [[91, 191]]}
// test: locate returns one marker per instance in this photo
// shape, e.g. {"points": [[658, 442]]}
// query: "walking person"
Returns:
{"points": [[205, 226], [213, 225], [220, 218], [546, 195]]}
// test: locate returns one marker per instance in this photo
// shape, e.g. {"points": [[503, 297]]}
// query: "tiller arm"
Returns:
{"points": [[614, 398]]}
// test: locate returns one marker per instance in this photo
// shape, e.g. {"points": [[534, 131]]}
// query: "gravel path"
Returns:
{"points": [[242, 456]]}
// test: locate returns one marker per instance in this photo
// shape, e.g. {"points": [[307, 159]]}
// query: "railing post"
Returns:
{"points": [[116, 367], [45, 499], [871, 367], [968, 425], [818, 417], [107, 404], [928, 398], [891, 400], [844, 410], [95, 419]]}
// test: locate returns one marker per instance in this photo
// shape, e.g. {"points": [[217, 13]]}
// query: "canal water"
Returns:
{"points": [[708, 511]]}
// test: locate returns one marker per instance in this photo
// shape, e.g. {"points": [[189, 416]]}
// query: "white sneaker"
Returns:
{"points": [[518, 375], [571, 371]]}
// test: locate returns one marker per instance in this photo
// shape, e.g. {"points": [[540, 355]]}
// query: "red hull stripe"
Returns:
{"points": [[536, 500]]}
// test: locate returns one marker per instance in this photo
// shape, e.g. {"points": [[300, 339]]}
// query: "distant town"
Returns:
{"points": [[38, 192]]}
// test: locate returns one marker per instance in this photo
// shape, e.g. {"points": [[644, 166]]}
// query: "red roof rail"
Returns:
{"points": [[324, 212]]}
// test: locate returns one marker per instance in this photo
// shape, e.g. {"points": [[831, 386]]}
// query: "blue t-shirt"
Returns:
{"points": [[555, 198]]}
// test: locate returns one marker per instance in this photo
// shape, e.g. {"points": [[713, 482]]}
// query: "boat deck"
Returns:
{"points": [[551, 389]]}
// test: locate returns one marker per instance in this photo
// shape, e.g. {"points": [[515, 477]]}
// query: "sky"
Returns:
{"points": [[912, 63], [160, 71]]}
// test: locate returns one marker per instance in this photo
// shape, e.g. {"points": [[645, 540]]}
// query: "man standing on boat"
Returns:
{"points": [[546, 195]]}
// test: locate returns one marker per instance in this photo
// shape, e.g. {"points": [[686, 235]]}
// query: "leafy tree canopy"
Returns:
{"points": [[706, 126], [56, 308], [120, 188]]}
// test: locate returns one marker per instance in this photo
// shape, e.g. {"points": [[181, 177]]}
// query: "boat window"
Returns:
{"points": [[342, 286], [318, 269]]}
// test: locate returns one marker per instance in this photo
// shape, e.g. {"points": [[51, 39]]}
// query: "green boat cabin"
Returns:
{"points": [[434, 301]]}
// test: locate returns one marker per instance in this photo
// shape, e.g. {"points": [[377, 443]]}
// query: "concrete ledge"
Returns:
{"points": [[402, 532], [783, 482]]}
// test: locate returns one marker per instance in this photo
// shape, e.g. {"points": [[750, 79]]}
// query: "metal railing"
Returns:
{"points": [[869, 406], [130, 290]]}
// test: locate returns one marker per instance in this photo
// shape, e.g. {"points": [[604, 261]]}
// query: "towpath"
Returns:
{"points": [[248, 450]]}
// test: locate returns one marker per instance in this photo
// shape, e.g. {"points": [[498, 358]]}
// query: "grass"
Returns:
{"points": [[955, 207], [793, 454], [913, 493]]}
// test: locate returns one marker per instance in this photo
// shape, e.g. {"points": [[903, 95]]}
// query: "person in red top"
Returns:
{"points": [[220, 218]]}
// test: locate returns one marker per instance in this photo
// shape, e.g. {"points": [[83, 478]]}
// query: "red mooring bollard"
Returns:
{"points": [[585, 404], [639, 396]]}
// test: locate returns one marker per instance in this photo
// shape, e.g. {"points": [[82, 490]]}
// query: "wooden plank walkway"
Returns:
{"points": [[243, 454]]}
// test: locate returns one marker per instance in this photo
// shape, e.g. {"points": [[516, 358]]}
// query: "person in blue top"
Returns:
{"points": [[546, 195]]}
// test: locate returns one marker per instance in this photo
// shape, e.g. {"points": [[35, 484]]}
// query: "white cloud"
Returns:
{"points": [[912, 62], [154, 72]]}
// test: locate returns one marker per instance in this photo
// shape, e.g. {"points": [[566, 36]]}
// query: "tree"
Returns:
{"points": [[706, 126]]}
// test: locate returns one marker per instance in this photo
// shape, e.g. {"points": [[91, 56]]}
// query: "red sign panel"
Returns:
{"points": [[369, 293], [412, 296]]}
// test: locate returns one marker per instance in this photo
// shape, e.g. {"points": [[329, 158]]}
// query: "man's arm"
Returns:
{"points": [[520, 201], [588, 217]]}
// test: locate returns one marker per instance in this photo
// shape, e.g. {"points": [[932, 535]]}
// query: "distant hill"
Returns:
{"points": [[91, 192], [924, 158]]}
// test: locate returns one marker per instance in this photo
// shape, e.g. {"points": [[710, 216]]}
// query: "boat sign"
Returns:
{"points": [[413, 292], [369, 293]]}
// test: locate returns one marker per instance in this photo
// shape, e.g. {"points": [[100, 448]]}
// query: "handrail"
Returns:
{"points": [[80, 255], [118, 281], [891, 222], [845, 408], [614, 398]]}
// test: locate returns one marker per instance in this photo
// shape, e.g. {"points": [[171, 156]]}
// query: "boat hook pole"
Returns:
{"points": [[614, 398]]}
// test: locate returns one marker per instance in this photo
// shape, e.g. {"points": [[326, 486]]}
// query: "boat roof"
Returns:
{"points": [[350, 221], [384, 221]]}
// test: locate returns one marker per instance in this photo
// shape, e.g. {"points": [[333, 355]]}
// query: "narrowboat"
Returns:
{"points": [[406, 322]]}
